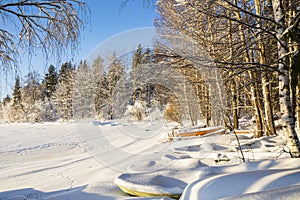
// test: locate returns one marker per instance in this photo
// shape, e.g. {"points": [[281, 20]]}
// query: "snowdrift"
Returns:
{"points": [[171, 182], [240, 183]]}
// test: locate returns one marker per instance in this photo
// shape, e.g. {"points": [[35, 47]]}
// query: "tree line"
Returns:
{"points": [[93, 91]]}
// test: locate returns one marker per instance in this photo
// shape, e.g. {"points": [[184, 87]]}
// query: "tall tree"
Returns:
{"points": [[32, 96], [101, 88], [283, 33], [116, 73], [63, 95], [17, 112], [17, 95], [50, 82]]}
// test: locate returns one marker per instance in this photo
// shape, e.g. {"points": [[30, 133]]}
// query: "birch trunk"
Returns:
{"points": [[287, 118]]}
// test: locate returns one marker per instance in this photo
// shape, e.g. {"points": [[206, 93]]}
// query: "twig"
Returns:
{"points": [[239, 145]]}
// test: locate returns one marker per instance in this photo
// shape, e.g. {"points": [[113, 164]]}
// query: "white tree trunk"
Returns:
{"points": [[287, 118]]}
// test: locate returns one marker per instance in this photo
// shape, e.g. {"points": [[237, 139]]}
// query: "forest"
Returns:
{"points": [[254, 48]]}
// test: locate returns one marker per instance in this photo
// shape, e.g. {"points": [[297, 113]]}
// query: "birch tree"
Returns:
{"points": [[53, 26], [283, 33]]}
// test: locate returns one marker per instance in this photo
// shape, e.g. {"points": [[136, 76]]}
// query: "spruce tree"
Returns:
{"points": [[50, 82], [17, 96], [101, 96], [63, 96], [6, 100]]}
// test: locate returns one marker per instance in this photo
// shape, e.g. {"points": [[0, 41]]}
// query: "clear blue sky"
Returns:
{"points": [[107, 19]]}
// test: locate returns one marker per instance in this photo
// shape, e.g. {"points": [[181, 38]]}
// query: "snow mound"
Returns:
{"points": [[253, 181], [169, 183]]}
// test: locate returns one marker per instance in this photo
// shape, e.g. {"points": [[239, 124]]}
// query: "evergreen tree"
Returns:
{"points": [[143, 90], [137, 57], [101, 96], [63, 95], [6, 100], [17, 96], [84, 92], [115, 73], [50, 81], [101, 88], [17, 112]]}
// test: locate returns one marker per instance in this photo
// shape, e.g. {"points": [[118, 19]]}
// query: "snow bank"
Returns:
{"points": [[220, 186], [284, 193]]}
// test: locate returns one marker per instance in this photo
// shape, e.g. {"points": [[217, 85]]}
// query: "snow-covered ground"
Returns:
{"points": [[55, 160], [85, 160]]}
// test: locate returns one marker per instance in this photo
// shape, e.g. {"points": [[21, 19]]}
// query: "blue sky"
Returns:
{"points": [[107, 20]]}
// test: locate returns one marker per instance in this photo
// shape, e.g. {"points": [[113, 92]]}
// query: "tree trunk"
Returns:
{"points": [[233, 89], [287, 118], [253, 88], [298, 102], [268, 106], [234, 105], [256, 104], [270, 126]]}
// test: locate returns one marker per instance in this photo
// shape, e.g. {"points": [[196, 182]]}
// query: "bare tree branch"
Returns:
{"points": [[55, 26]]}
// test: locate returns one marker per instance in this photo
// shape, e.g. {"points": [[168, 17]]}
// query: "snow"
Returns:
{"points": [[89, 160], [253, 181]]}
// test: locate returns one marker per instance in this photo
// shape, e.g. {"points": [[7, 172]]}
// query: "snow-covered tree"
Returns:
{"points": [[16, 111], [137, 112], [84, 92], [52, 26], [116, 73], [248, 40], [101, 96], [63, 96], [32, 97], [48, 111]]}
